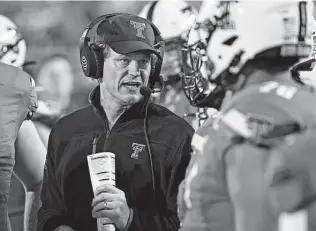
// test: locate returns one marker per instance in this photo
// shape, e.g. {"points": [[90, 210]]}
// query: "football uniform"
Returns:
{"points": [[238, 143], [198, 141], [291, 176], [18, 98]]}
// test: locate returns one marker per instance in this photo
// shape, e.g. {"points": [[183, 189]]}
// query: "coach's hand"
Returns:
{"points": [[110, 202]]}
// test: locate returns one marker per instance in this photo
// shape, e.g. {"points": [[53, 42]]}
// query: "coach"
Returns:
{"points": [[151, 144]]}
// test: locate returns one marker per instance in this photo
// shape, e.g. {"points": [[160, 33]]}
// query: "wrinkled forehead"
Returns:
{"points": [[133, 55]]}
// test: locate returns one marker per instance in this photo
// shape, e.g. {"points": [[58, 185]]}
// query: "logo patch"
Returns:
{"points": [[137, 148], [259, 125], [84, 63], [139, 27]]}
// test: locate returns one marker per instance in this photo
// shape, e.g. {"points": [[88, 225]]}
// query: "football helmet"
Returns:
{"points": [[174, 19], [235, 32], [200, 90], [12, 43]]}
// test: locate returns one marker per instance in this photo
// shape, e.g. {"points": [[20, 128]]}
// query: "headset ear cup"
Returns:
{"points": [[87, 61], [152, 71], [155, 70], [99, 61]]}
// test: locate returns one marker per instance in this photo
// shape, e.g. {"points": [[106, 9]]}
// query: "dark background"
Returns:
{"points": [[51, 27]]}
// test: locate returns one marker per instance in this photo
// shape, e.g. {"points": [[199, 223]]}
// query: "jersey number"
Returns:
{"points": [[284, 91]]}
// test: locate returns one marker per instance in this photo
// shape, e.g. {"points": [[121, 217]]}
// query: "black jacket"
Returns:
{"points": [[67, 191]]}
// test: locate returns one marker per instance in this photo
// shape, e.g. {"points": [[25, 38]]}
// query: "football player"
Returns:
{"points": [[174, 19], [290, 174], [29, 156], [251, 47]]}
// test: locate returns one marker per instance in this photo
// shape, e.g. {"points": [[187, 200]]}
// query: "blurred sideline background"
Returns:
{"points": [[55, 27]]}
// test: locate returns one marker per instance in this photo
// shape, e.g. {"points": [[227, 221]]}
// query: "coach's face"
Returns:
{"points": [[124, 75]]}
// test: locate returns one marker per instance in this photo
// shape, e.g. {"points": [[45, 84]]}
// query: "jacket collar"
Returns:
{"points": [[137, 110]]}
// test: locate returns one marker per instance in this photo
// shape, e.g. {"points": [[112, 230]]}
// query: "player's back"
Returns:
{"points": [[269, 105], [282, 101], [263, 114]]}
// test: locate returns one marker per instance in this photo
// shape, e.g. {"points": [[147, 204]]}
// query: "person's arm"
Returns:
{"points": [[199, 140], [245, 171], [224, 184], [29, 167], [52, 213], [290, 177], [204, 194], [143, 220]]}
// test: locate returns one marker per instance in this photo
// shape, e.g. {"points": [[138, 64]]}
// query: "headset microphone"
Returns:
{"points": [[145, 91]]}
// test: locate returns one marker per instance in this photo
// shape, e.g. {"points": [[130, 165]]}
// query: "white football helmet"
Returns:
{"points": [[197, 86], [227, 34], [174, 20], [12, 44], [245, 29]]}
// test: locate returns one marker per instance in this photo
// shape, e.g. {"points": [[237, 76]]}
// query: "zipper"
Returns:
{"points": [[109, 131], [94, 143]]}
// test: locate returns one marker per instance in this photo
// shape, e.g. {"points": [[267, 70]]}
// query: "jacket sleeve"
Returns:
{"points": [[142, 220], [52, 212], [205, 196]]}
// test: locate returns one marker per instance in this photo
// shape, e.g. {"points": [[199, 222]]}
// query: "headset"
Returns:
{"points": [[91, 55]]}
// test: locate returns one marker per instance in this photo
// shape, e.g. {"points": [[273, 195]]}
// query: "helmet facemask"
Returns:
{"points": [[198, 87]]}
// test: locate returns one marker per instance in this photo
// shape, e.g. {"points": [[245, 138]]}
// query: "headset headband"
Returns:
{"points": [[151, 11], [85, 38], [92, 60]]}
